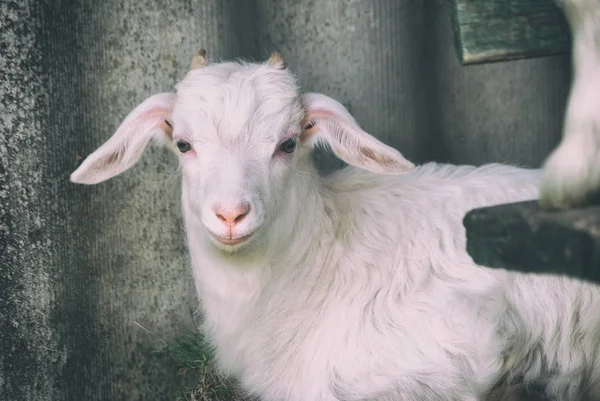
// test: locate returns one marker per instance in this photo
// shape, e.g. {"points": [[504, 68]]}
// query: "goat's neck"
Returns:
{"points": [[229, 286]]}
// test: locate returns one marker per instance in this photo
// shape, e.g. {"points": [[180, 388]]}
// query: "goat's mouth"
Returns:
{"points": [[232, 241]]}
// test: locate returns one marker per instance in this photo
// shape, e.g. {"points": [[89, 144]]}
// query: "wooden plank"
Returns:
{"points": [[497, 30], [520, 236]]}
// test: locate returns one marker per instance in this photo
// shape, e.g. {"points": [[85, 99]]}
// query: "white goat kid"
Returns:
{"points": [[355, 286], [571, 175]]}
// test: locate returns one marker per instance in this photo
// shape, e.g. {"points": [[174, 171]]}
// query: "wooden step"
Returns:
{"points": [[520, 236], [498, 30]]}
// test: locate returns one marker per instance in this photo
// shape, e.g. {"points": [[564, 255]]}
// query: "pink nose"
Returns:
{"points": [[231, 215]]}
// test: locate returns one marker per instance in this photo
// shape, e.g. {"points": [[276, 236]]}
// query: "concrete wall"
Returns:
{"points": [[82, 268]]}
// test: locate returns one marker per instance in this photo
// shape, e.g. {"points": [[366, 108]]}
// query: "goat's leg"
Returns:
{"points": [[571, 175]]}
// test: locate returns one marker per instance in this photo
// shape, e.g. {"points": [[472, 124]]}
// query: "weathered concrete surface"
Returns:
{"points": [[80, 266], [522, 237]]}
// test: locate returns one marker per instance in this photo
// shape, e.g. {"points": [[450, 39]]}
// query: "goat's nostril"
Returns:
{"points": [[242, 215], [243, 212], [220, 217]]}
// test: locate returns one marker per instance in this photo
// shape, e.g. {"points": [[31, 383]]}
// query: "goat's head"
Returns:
{"points": [[242, 131]]}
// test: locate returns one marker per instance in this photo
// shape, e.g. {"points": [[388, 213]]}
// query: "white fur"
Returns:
{"points": [[571, 175], [355, 286]]}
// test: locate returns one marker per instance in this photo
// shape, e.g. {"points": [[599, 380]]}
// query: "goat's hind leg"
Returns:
{"points": [[571, 175]]}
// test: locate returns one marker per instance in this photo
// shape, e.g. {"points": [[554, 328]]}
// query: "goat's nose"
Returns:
{"points": [[232, 214]]}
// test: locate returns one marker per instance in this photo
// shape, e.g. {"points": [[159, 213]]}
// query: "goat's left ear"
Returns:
{"points": [[147, 122], [326, 120]]}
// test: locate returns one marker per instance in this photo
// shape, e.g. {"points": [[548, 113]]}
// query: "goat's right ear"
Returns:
{"points": [[327, 121], [148, 121]]}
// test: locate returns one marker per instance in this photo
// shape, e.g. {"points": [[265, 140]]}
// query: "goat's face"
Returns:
{"points": [[237, 129], [242, 132]]}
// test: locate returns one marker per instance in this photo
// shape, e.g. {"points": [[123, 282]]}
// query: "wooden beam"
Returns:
{"points": [[497, 30], [520, 236]]}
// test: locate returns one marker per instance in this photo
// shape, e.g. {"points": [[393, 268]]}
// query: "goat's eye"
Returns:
{"points": [[183, 145], [288, 146]]}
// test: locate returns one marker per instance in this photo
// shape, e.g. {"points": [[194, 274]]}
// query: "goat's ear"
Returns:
{"points": [[326, 120], [148, 121]]}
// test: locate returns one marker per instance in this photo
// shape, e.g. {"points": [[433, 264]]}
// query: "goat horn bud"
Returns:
{"points": [[199, 60], [277, 60]]}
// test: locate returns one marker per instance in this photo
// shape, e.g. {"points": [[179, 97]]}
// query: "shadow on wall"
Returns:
{"points": [[84, 267]]}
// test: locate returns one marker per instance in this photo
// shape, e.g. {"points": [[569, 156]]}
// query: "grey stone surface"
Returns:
{"points": [[82, 268], [522, 237]]}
